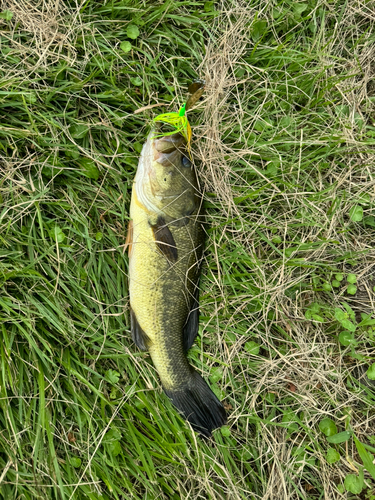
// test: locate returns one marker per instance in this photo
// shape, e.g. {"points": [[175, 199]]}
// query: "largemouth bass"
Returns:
{"points": [[165, 253]]}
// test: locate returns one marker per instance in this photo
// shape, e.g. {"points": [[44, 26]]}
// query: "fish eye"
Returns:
{"points": [[186, 162]]}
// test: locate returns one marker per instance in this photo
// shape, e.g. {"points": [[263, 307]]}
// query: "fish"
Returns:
{"points": [[165, 244]]}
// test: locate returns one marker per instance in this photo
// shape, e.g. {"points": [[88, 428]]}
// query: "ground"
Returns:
{"points": [[284, 145]]}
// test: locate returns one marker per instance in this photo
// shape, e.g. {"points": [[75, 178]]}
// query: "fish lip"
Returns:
{"points": [[167, 149], [169, 143]]}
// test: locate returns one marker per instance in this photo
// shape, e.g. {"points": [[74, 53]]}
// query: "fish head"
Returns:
{"points": [[167, 180]]}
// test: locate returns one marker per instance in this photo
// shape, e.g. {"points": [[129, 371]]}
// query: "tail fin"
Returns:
{"points": [[199, 405]]}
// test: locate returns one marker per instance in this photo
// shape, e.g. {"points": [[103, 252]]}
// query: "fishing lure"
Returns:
{"points": [[179, 120]]}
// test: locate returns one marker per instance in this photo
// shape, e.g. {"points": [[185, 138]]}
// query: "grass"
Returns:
{"points": [[284, 142]]}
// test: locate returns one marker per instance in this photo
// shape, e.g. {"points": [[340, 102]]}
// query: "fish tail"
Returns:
{"points": [[199, 405]]}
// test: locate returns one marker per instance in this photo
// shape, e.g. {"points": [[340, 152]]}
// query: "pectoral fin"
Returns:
{"points": [[164, 239], [138, 335]]}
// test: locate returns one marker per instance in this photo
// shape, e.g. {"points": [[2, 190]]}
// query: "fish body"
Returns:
{"points": [[165, 253]]}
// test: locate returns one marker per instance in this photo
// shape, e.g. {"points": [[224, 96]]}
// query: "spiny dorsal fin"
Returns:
{"points": [[164, 239]]}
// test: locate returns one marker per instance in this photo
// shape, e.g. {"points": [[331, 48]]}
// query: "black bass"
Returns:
{"points": [[165, 253]]}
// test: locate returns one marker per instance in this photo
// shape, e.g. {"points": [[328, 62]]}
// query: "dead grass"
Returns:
{"points": [[49, 28]]}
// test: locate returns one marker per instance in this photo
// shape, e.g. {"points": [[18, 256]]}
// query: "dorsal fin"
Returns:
{"points": [[191, 326], [190, 329]]}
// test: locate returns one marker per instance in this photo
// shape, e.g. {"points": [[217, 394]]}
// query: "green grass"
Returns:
{"points": [[284, 142]]}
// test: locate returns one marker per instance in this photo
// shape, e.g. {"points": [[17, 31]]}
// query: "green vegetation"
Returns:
{"points": [[284, 143]]}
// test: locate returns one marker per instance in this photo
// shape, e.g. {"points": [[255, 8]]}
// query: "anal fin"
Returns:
{"points": [[139, 337]]}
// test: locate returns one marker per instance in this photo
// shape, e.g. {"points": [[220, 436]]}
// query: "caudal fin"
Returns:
{"points": [[199, 405]]}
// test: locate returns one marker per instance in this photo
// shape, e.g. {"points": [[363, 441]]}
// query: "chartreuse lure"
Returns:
{"points": [[179, 120]]}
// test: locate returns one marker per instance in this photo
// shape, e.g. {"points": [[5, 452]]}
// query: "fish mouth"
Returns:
{"points": [[169, 143]]}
